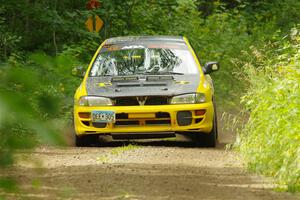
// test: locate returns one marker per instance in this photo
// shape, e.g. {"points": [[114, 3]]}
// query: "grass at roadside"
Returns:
{"points": [[270, 140], [119, 150], [116, 151]]}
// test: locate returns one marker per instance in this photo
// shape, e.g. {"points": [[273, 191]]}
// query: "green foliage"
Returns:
{"points": [[119, 150], [8, 184], [82, 51], [36, 89], [270, 140], [8, 40], [36, 98]]}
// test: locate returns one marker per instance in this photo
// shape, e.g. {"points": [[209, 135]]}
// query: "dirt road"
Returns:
{"points": [[146, 170]]}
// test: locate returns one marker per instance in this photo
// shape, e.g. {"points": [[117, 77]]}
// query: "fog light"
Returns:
{"points": [[84, 115], [184, 118], [200, 112]]}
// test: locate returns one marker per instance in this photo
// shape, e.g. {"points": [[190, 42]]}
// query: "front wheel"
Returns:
{"points": [[208, 139], [87, 141], [211, 138], [80, 141], [83, 140]]}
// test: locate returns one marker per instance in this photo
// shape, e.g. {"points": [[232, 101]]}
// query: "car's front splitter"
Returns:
{"points": [[147, 119]]}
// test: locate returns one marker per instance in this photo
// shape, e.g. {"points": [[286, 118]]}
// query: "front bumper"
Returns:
{"points": [[148, 119]]}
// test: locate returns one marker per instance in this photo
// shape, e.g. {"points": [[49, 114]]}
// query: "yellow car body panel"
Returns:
{"points": [[205, 85], [204, 126], [81, 90], [200, 123]]}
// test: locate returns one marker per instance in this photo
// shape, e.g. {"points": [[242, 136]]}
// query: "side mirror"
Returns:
{"points": [[211, 67], [78, 71]]}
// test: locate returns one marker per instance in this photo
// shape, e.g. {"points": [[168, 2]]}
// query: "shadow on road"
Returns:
{"points": [[156, 143], [141, 181]]}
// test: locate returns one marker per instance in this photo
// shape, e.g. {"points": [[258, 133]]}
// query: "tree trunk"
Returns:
{"points": [[5, 52], [27, 23], [129, 13], [54, 33], [54, 41]]}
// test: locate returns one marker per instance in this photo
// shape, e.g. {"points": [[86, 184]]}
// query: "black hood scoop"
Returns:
{"points": [[134, 86], [141, 84]]}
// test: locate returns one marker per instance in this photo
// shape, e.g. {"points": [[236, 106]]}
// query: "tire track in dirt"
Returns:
{"points": [[163, 169]]}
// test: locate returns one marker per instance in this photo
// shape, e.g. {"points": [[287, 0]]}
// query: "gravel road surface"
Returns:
{"points": [[160, 169]]}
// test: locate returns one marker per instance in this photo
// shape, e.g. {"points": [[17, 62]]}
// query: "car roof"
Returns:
{"points": [[125, 39]]}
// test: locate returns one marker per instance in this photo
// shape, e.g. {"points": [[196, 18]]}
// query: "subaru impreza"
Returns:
{"points": [[146, 86]]}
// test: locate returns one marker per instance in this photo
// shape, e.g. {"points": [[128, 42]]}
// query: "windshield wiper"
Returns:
{"points": [[161, 73], [172, 73]]}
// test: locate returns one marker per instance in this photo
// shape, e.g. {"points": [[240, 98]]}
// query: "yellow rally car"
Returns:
{"points": [[146, 86]]}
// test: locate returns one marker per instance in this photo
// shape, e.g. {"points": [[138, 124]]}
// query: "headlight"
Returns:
{"points": [[189, 98], [94, 101]]}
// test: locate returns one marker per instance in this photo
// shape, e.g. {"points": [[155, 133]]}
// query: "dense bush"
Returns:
{"points": [[270, 141], [36, 98], [36, 90]]}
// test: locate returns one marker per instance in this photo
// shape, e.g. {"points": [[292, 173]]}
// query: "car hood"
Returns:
{"points": [[164, 85]]}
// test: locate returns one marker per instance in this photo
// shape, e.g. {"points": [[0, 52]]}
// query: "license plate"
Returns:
{"points": [[103, 116]]}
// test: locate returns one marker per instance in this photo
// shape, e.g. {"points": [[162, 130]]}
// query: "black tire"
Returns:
{"points": [[85, 140], [208, 139], [211, 138], [82, 141], [216, 120]]}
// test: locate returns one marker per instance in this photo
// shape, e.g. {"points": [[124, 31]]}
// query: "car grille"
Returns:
{"points": [[133, 101], [183, 118], [161, 118]]}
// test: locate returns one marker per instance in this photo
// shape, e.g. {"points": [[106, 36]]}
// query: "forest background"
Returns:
{"points": [[257, 43]]}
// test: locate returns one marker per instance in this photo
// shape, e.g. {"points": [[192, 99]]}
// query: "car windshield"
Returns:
{"points": [[144, 59]]}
